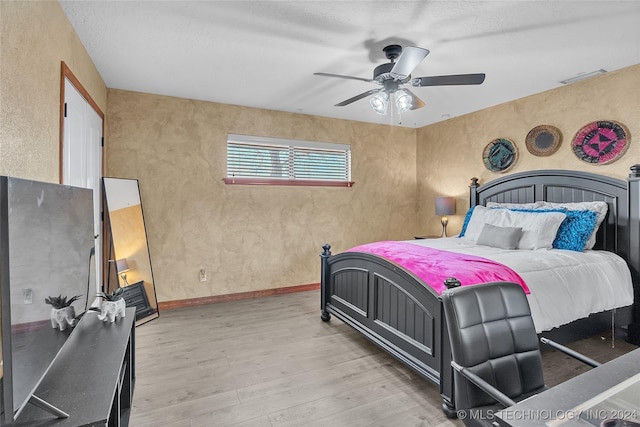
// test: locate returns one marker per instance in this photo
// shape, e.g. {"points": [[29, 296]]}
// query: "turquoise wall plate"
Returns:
{"points": [[500, 155]]}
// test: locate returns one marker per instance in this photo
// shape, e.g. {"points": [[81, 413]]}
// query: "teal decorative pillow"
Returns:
{"points": [[575, 230], [599, 207], [467, 217]]}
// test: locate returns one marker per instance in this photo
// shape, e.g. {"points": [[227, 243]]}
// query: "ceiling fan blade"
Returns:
{"points": [[456, 79], [358, 97], [343, 77], [417, 102], [409, 59]]}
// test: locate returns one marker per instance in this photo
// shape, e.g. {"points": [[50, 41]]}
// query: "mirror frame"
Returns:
{"points": [[111, 279]]}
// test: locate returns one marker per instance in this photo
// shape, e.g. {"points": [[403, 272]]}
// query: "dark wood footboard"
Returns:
{"points": [[391, 307]]}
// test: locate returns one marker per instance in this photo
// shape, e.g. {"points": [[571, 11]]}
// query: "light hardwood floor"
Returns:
{"points": [[273, 362]]}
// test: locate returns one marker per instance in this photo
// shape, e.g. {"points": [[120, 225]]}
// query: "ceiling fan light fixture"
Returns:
{"points": [[397, 72], [404, 101], [380, 103]]}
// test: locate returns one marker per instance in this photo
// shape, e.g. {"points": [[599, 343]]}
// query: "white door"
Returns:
{"points": [[82, 158]]}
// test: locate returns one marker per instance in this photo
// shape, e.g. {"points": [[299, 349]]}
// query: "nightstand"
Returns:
{"points": [[426, 237], [136, 296]]}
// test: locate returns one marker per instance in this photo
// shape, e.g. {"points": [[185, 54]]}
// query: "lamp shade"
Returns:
{"points": [[404, 101], [380, 103], [445, 205], [122, 265]]}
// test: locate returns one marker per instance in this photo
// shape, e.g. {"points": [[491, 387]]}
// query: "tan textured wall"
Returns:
{"points": [[35, 36], [450, 153], [251, 237]]}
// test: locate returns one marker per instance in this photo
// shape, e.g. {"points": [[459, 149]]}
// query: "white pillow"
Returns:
{"points": [[600, 208], [538, 228], [533, 205], [476, 222]]}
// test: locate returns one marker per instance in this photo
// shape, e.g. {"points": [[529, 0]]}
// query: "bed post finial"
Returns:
{"points": [[327, 249], [325, 279], [473, 192], [635, 171]]}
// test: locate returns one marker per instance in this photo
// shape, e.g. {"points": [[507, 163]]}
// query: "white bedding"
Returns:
{"points": [[565, 285]]}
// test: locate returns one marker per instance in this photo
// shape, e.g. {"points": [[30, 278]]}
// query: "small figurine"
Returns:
{"points": [[62, 312], [113, 305]]}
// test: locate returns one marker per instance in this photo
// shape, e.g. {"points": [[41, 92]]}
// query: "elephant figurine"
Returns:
{"points": [[63, 317], [110, 310]]}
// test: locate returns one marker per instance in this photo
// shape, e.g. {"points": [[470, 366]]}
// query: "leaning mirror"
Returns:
{"points": [[128, 260]]}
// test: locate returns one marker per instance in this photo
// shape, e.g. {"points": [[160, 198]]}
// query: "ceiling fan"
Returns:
{"points": [[394, 74]]}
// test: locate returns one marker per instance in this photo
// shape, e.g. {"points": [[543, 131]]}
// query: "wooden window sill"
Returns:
{"points": [[293, 182]]}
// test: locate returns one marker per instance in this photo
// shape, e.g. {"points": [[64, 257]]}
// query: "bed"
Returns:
{"points": [[367, 291]]}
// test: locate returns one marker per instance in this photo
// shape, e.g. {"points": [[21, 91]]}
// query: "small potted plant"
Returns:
{"points": [[62, 312], [113, 305]]}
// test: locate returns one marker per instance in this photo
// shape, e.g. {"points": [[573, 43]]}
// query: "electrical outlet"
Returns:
{"points": [[203, 274], [27, 295]]}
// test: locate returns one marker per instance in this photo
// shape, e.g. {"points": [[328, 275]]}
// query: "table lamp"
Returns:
{"points": [[445, 206], [122, 267]]}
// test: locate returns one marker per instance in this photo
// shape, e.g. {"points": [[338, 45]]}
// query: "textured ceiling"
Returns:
{"points": [[264, 53]]}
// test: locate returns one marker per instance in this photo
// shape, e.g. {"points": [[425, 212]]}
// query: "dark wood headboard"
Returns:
{"points": [[619, 232]]}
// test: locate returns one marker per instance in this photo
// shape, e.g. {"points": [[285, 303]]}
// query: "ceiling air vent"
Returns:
{"points": [[583, 76]]}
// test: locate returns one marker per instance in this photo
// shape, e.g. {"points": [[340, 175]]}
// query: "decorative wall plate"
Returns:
{"points": [[543, 140], [500, 155], [601, 142]]}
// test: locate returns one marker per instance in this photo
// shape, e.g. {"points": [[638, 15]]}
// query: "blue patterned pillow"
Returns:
{"points": [[575, 230], [466, 221]]}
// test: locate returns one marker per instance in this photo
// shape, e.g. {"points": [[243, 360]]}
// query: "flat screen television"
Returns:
{"points": [[46, 250]]}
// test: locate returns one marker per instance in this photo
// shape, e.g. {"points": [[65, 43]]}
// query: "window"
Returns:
{"points": [[261, 160]]}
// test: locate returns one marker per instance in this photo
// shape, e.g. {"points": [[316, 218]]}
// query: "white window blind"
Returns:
{"points": [[287, 159]]}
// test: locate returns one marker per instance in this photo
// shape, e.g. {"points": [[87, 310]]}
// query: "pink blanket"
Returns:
{"points": [[433, 266]]}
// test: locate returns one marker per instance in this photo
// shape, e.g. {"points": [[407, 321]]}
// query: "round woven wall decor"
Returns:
{"points": [[543, 140], [500, 155], [601, 142]]}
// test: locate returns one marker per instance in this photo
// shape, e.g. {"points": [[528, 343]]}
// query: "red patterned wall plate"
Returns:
{"points": [[601, 142]]}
